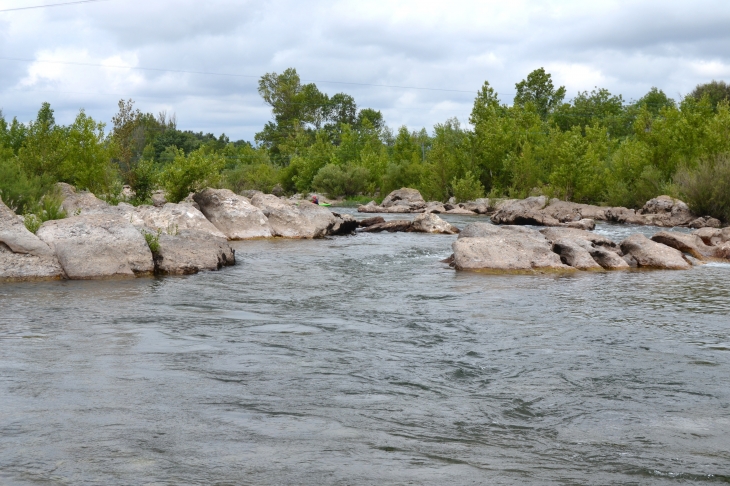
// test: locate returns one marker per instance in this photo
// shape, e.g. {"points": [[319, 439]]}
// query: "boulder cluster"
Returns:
{"points": [[98, 240], [518, 249], [408, 200], [661, 211]]}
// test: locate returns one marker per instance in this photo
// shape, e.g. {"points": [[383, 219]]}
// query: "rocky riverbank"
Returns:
{"points": [[99, 241], [518, 249], [661, 211]]}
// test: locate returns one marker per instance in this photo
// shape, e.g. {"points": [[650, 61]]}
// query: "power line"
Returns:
{"points": [[52, 5], [233, 75]]}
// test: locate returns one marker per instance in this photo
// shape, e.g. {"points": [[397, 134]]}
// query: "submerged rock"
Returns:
{"points": [[234, 215], [93, 246], [23, 256], [650, 254]]}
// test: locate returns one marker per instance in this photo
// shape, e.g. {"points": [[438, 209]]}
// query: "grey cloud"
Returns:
{"points": [[625, 47]]}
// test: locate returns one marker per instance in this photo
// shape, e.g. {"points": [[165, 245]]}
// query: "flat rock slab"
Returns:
{"points": [[397, 225], [234, 215], [97, 246], [504, 250], [23, 256], [371, 221], [555, 234], [650, 254], [192, 251]]}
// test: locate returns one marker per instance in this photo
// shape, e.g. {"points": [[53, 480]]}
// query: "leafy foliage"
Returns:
{"points": [[706, 189], [186, 174], [595, 148], [153, 240]]}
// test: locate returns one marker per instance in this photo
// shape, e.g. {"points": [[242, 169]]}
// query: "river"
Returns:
{"points": [[365, 360]]}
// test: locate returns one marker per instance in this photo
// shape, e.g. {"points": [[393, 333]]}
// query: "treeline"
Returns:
{"points": [[596, 148]]}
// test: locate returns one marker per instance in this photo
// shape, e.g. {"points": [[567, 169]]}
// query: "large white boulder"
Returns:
{"points": [[290, 219], [233, 215], [192, 251], [649, 254], [509, 249], [93, 246]]}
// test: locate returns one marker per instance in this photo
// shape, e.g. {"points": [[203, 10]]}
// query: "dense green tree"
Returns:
{"points": [[599, 107], [539, 90], [715, 91]]}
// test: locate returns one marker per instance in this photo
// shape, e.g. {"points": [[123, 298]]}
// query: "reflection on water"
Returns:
{"points": [[364, 360]]}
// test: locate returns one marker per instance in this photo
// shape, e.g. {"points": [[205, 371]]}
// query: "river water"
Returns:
{"points": [[364, 360]]}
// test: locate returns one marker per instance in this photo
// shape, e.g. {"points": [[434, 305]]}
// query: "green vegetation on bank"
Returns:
{"points": [[597, 148]]}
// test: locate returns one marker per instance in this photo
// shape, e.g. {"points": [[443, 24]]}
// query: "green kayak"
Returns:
{"points": [[325, 204]]}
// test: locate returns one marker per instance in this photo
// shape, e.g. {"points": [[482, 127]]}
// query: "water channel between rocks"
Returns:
{"points": [[364, 360]]}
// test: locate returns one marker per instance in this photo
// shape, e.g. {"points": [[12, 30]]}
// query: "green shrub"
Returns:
{"points": [[335, 180], [32, 222], [467, 188], [143, 180], [50, 207], [153, 240], [47, 209], [19, 192], [191, 173], [706, 189], [261, 177]]}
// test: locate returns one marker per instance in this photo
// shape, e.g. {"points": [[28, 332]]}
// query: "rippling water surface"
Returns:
{"points": [[361, 360]]}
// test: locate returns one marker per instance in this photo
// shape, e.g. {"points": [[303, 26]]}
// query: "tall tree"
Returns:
{"points": [[293, 106], [716, 91], [539, 90], [125, 123]]}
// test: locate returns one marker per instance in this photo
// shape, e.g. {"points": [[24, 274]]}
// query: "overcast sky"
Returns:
{"points": [[450, 47]]}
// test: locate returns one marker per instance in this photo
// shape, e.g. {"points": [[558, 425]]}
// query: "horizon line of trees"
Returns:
{"points": [[594, 149]]}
